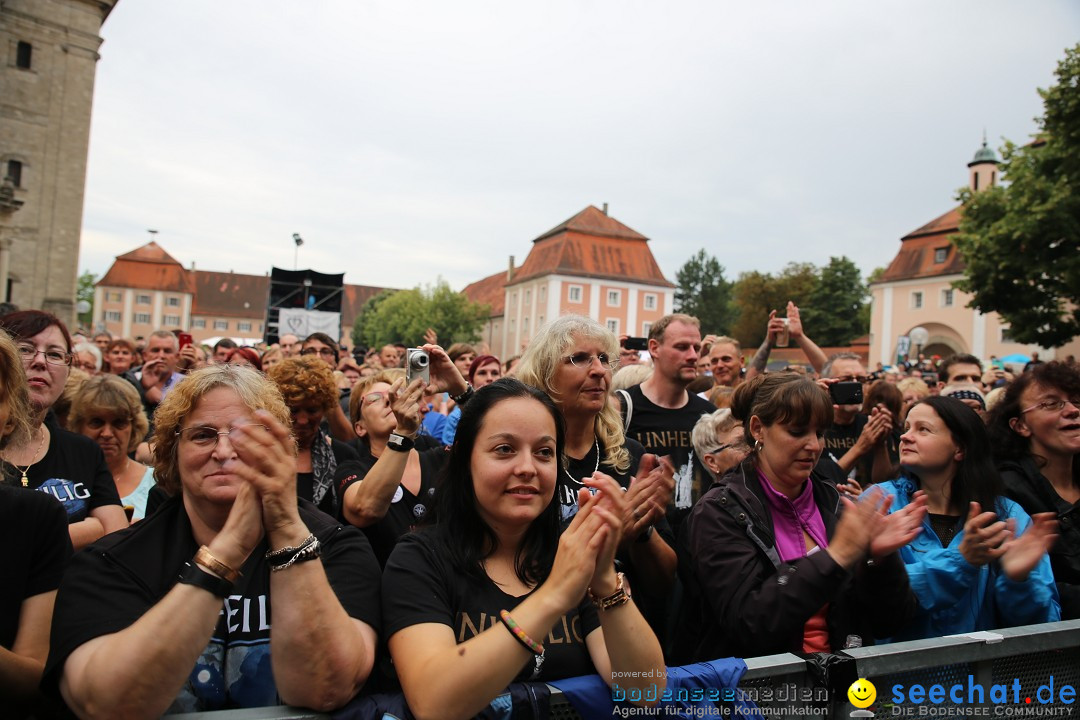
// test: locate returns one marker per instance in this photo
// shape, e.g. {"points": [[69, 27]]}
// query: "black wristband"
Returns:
{"points": [[192, 574], [465, 396], [401, 443]]}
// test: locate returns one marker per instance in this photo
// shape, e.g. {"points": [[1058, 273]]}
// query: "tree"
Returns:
{"points": [[85, 291], [704, 293], [756, 294], [835, 314], [405, 315], [1021, 242]]}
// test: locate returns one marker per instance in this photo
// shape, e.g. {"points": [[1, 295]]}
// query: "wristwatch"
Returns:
{"points": [[401, 443], [192, 574], [465, 396]]}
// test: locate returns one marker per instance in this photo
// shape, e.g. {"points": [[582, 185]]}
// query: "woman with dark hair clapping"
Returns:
{"points": [[492, 593], [980, 562]]}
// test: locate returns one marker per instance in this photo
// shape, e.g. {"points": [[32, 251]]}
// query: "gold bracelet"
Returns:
{"points": [[205, 558], [621, 596]]}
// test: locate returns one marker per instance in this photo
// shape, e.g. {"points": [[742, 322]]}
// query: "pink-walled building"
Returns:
{"points": [[916, 291], [591, 265]]}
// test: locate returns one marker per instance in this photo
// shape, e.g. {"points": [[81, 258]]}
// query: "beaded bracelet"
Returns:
{"points": [[520, 635]]}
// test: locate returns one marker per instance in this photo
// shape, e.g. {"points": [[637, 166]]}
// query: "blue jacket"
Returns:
{"points": [[957, 597]]}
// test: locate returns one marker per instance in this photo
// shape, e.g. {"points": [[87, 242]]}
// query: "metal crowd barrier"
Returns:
{"points": [[786, 686]]}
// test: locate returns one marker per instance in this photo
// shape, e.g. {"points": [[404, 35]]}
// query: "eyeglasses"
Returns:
{"points": [[96, 423], [854, 378], [1052, 405], [205, 436], [52, 356], [722, 448], [324, 351], [584, 360]]}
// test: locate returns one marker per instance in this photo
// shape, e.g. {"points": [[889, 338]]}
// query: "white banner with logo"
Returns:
{"points": [[302, 323]]}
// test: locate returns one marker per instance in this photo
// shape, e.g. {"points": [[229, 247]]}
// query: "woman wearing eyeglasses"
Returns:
{"points": [[69, 467], [1035, 431], [108, 411], [571, 359], [174, 615]]}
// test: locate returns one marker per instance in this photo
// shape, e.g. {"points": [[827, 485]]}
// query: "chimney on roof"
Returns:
{"points": [[192, 266], [510, 270], [605, 208]]}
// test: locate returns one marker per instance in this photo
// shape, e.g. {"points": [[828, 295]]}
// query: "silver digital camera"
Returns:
{"points": [[416, 365]]}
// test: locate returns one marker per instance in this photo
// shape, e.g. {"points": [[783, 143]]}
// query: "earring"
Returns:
{"points": [[758, 446]]}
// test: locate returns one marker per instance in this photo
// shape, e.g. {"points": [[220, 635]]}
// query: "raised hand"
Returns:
{"points": [[445, 376], [266, 459], [858, 525], [1021, 555], [794, 321], [897, 529], [405, 403], [648, 495], [579, 546], [985, 537], [611, 507]]}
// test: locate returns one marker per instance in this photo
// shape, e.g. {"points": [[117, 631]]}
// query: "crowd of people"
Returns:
{"points": [[446, 528]]}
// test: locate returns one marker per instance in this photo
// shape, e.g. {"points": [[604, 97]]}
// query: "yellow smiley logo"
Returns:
{"points": [[862, 693]]}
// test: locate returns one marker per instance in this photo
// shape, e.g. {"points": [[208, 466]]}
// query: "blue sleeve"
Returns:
{"points": [[1034, 600], [450, 428], [940, 577]]}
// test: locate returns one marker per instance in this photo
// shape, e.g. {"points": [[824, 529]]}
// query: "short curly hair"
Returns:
{"points": [[305, 380], [253, 388], [112, 395]]}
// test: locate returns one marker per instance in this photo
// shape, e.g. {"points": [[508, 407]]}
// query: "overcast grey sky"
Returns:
{"points": [[410, 139]]}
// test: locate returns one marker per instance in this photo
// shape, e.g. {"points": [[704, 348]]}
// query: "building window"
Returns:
{"points": [[543, 292], [613, 325], [221, 324], [645, 328], [528, 297], [539, 321], [23, 55], [614, 298], [574, 293], [650, 301], [14, 172], [916, 299], [940, 254], [172, 302], [513, 299], [198, 324], [142, 318], [947, 297], [113, 316], [173, 320], [1006, 335], [525, 326], [142, 300], [243, 327], [114, 297]]}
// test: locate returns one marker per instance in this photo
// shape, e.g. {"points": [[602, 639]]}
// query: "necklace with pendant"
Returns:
{"points": [[596, 444], [25, 481]]}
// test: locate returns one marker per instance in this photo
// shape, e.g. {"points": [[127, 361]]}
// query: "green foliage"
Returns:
{"points": [[757, 293], [837, 311], [84, 290], [704, 293], [405, 315], [1021, 242]]}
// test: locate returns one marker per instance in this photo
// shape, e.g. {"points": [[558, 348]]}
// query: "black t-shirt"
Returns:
{"points": [[420, 585], [115, 581], [406, 509], [305, 482], [841, 438], [667, 431], [36, 526], [73, 471]]}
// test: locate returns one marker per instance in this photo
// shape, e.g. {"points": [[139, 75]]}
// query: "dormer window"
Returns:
{"points": [[940, 255]]}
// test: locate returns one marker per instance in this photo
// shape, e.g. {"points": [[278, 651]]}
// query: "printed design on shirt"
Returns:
{"points": [[419, 509], [72, 493], [566, 631], [684, 483], [398, 494], [234, 669]]}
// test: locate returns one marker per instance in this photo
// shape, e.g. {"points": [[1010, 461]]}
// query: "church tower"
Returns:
{"points": [[982, 169], [50, 52]]}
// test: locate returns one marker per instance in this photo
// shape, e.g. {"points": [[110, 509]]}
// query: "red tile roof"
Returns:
{"points": [[229, 294], [490, 291], [148, 268], [592, 244], [917, 250], [353, 302]]}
